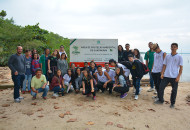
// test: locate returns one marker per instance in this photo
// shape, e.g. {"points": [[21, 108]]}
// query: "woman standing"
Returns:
{"points": [[35, 64], [62, 64], [44, 61], [120, 86], [137, 55], [88, 86], [120, 54], [52, 64]]}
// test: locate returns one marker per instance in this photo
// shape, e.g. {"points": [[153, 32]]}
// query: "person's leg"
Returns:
{"points": [[56, 89], [151, 81], [33, 93], [158, 83], [22, 77], [45, 91], [128, 81], [100, 86], [110, 86], [119, 90], [29, 81], [77, 83], [137, 85], [163, 84], [24, 83], [16, 80], [174, 90]]}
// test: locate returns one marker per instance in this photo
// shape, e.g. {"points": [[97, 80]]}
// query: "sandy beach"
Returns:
{"points": [[76, 111]]}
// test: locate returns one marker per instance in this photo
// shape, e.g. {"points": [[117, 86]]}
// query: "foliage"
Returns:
{"points": [[30, 36]]}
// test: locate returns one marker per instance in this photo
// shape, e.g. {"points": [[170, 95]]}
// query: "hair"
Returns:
{"points": [[38, 70], [130, 55], [76, 74], [35, 54], [106, 63], [112, 61], [62, 55], [120, 73], [72, 64], [56, 75], [85, 63], [174, 44], [58, 56], [61, 46], [27, 50], [138, 53], [45, 50], [70, 70], [18, 47], [89, 76], [99, 66], [127, 44], [121, 47]]}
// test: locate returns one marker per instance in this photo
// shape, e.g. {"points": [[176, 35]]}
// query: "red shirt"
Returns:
{"points": [[56, 82]]}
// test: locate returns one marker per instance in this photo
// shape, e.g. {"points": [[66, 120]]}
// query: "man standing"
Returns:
{"points": [[149, 57], [39, 84], [17, 65], [137, 73], [62, 50], [127, 52], [171, 73], [159, 57]]}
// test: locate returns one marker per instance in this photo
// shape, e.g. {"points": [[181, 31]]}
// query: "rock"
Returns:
{"points": [[135, 105], [5, 105], [117, 114], [167, 102], [61, 115], [90, 123], [79, 105], [152, 110], [68, 113], [40, 109], [109, 123], [56, 107], [119, 126], [55, 103], [4, 117], [29, 113], [40, 116], [72, 120], [147, 126], [34, 103]]}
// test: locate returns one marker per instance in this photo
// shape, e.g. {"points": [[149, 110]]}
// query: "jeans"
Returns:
{"points": [[136, 83], [78, 83], [57, 89], [18, 82], [162, 87], [44, 90], [151, 80], [157, 81], [27, 78]]}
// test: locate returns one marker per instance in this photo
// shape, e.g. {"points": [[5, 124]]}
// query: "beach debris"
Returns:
{"points": [[72, 120], [119, 126], [147, 126], [152, 110], [167, 102], [68, 113], [61, 115], [34, 103], [90, 123], [56, 107], [55, 103], [29, 113], [5, 105], [4, 117], [40, 109], [40, 116], [79, 105], [109, 123], [117, 114]]}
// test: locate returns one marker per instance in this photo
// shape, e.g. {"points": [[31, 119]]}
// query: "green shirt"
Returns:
{"points": [[43, 62], [38, 83], [149, 55]]}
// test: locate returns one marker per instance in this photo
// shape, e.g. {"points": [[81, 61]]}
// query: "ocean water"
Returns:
{"points": [[186, 67]]}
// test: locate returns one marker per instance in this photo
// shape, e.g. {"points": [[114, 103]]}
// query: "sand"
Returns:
{"points": [[107, 112]]}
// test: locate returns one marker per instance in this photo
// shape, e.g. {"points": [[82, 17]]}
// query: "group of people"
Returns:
{"points": [[41, 73]]}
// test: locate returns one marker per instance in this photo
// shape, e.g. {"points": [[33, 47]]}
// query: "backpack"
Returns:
{"points": [[145, 68]]}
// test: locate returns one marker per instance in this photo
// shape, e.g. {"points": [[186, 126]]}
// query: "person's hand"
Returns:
{"points": [[16, 73], [105, 85], [83, 91], [177, 79], [162, 76], [92, 90], [60, 86], [49, 71], [36, 91], [43, 86]]}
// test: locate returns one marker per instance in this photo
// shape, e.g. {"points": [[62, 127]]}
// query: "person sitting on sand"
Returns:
{"points": [[120, 85], [67, 79], [39, 84], [171, 73], [110, 72], [88, 85], [103, 80], [57, 84]]}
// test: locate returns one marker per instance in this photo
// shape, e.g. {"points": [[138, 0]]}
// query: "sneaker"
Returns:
{"points": [[33, 98], [29, 91], [140, 89], [155, 91], [44, 98], [23, 92], [158, 102], [94, 98], [136, 97], [124, 95], [21, 98], [154, 97], [150, 90], [55, 95], [17, 100], [172, 106], [68, 88]]}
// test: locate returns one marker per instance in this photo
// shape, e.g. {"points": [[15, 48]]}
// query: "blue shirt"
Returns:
{"points": [[28, 62]]}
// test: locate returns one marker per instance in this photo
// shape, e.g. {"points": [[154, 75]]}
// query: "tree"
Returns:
{"points": [[3, 14]]}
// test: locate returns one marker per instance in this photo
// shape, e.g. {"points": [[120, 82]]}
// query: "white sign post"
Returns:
{"points": [[99, 50]]}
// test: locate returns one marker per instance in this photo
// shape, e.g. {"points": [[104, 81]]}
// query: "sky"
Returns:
{"points": [[136, 22]]}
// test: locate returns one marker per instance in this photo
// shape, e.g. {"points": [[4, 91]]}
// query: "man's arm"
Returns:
{"points": [[10, 64]]}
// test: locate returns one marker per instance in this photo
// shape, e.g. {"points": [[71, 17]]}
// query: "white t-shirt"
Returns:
{"points": [[66, 78], [173, 64], [158, 62], [127, 71], [111, 73], [63, 52]]}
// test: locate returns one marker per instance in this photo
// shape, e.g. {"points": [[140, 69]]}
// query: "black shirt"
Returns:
{"points": [[53, 61], [87, 81], [126, 53]]}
